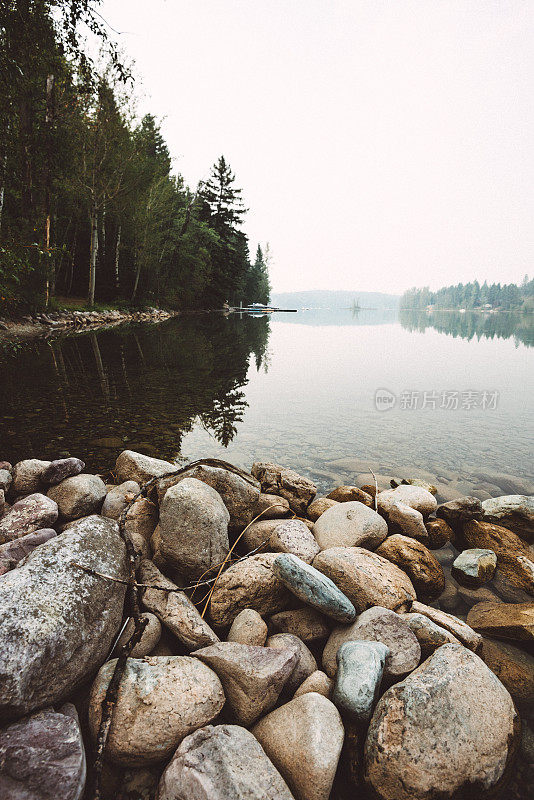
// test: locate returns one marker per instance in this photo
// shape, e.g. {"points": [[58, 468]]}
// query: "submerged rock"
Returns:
{"points": [[42, 757], [347, 494], [161, 700], [223, 762], [360, 666], [57, 622], [447, 728]]}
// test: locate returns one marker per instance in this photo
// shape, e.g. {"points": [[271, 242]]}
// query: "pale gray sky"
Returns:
{"points": [[380, 144]]}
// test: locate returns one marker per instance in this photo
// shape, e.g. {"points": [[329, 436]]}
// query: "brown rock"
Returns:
{"points": [[439, 533], [307, 623], [417, 562], [293, 536], [175, 609], [274, 479], [252, 677], [271, 506], [142, 519], [248, 584], [248, 628], [259, 533], [161, 700], [149, 638], [377, 625], [26, 476], [318, 682], [429, 635], [513, 667], [366, 578], [408, 521], [473, 596], [463, 632], [457, 512], [303, 739], [515, 570], [305, 664], [513, 511], [504, 620], [346, 494], [318, 507]]}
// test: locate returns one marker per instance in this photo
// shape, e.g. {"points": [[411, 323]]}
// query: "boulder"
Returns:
{"points": [[259, 533], [118, 498], [417, 562], [14, 551], [274, 479], [161, 700], [463, 632], [475, 567], [349, 525], [346, 494], [270, 506], [303, 739], [360, 666], [447, 730], [193, 527], [512, 511], [305, 664], [33, 512], [318, 682], [377, 625], [26, 476], [42, 757], [239, 493], [250, 583], [513, 667], [252, 677], [459, 511], [223, 762], [248, 628], [408, 521], [429, 635], [449, 599], [318, 507], [57, 622], [412, 496], [366, 578], [513, 621], [312, 587], [132, 466], [306, 623], [439, 533], [78, 496], [60, 469], [174, 609], [293, 536], [149, 638]]}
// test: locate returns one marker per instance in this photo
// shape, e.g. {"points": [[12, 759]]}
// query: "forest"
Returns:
{"points": [[473, 296], [90, 207]]}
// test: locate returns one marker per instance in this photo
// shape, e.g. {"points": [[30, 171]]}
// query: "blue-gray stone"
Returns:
{"points": [[360, 666], [313, 588]]}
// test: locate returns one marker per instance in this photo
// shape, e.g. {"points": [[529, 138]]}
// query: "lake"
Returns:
{"points": [[454, 402]]}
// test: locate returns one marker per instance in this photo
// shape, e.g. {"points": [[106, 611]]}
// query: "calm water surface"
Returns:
{"points": [[295, 388]]}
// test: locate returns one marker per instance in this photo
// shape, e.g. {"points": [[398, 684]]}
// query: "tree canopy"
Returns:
{"points": [[470, 296]]}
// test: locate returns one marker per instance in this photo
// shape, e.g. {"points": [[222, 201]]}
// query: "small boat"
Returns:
{"points": [[261, 308]]}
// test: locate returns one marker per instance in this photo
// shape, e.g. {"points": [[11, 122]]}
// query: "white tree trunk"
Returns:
{"points": [[93, 256], [117, 246]]}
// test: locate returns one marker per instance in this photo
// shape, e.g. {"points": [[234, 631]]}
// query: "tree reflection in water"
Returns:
{"points": [[503, 325]]}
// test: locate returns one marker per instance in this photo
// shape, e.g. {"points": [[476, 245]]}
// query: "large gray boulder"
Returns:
{"points": [[132, 466], [223, 762], [193, 527], [42, 757], [447, 731], [57, 622], [239, 494], [79, 496]]}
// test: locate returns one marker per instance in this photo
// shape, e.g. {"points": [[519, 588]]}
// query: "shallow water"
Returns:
{"points": [[295, 388]]}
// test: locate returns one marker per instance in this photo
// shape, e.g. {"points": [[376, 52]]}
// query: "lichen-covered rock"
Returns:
{"points": [[349, 525], [447, 728], [474, 567], [78, 496], [57, 622], [42, 757], [161, 700], [132, 466], [33, 512], [274, 479], [252, 677], [417, 562], [366, 578], [377, 625], [239, 493], [174, 609], [27, 476], [248, 628], [303, 739], [293, 536], [360, 666], [250, 583], [412, 496], [61, 469], [312, 587], [512, 511], [193, 528], [223, 762]]}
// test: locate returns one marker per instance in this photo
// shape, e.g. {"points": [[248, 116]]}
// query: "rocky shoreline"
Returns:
{"points": [[201, 632], [44, 324]]}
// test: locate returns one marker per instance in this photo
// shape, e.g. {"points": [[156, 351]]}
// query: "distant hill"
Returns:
{"points": [[319, 298]]}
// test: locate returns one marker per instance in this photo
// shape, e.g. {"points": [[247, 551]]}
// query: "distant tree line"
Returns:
{"points": [[89, 204], [471, 296]]}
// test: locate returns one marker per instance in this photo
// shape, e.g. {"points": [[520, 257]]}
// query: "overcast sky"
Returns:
{"points": [[380, 144]]}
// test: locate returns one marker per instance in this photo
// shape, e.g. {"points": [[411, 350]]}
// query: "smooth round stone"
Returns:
{"points": [[350, 524], [61, 469], [475, 567], [318, 507], [360, 667], [79, 496], [248, 628], [312, 587], [318, 682], [413, 496]]}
